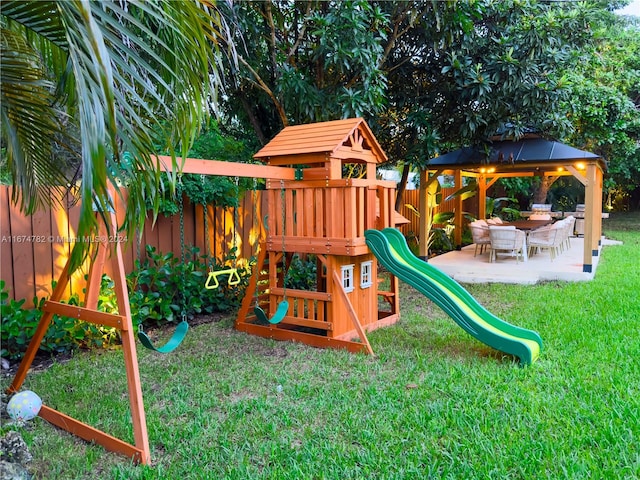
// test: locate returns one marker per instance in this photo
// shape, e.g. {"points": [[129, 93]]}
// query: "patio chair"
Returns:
{"points": [[547, 238], [507, 240], [571, 225], [480, 234]]}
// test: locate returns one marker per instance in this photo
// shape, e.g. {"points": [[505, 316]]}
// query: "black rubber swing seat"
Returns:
{"points": [[173, 343]]}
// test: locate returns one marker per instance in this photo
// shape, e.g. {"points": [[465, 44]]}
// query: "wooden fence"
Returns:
{"points": [[411, 197], [34, 249]]}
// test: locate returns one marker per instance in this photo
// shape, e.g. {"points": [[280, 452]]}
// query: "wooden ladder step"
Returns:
{"points": [[86, 314]]}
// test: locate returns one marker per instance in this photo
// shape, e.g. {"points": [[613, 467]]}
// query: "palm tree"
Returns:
{"points": [[113, 81]]}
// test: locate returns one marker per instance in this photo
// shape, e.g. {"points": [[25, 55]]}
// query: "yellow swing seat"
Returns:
{"points": [[212, 280]]}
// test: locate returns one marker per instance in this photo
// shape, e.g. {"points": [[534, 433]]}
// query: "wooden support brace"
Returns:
{"points": [[86, 315], [141, 451], [352, 314], [90, 434]]}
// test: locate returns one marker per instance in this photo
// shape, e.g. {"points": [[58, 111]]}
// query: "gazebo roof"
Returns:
{"points": [[509, 155], [348, 139]]}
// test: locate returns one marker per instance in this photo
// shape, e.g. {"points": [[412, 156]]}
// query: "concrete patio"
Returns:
{"points": [[462, 266]]}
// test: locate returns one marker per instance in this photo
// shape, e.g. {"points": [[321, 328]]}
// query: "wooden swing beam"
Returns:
{"points": [[225, 169]]}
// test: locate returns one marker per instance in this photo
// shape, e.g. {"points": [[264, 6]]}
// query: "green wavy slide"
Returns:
{"points": [[391, 249]]}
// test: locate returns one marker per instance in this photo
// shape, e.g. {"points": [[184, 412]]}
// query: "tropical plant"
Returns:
{"points": [[440, 237], [502, 207], [130, 77], [64, 333]]}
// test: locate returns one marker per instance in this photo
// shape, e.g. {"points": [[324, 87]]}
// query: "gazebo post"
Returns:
{"points": [[482, 196], [425, 215], [592, 213], [457, 233]]}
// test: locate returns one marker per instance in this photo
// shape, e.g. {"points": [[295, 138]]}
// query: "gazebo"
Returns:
{"points": [[527, 157]]}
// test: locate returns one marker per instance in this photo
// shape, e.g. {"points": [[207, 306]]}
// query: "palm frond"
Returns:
{"points": [[142, 76], [29, 122]]}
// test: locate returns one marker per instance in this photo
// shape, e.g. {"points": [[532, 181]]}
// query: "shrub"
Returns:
{"points": [[162, 289], [302, 273], [64, 333], [165, 289]]}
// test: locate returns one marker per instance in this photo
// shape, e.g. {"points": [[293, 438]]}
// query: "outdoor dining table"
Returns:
{"points": [[527, 225]]}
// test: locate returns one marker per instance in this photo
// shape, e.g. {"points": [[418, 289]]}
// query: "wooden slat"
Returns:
{"points": [[361, 205], [163, 232], [299, 216], [303, 322], [289, 220], [318, 173], [319, 215], [23, 261], [351, 213], [85, 314], [306, 338], [370, 221], [6, 244], [43, 272], [90, 434], [309, 295]]}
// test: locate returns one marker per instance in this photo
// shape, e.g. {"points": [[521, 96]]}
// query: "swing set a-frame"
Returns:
{"points": [[314, 210]]}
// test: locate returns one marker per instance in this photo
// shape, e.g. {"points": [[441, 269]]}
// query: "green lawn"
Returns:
{"points": [[433, 403]]}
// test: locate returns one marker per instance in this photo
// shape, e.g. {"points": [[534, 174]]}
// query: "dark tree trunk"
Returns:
{"points": [[402, 186], [540, 193]]}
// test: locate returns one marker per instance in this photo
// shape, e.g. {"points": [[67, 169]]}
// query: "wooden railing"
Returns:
{"points": [[330, 217]]}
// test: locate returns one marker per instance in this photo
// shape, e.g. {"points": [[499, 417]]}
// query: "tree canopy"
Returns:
{"points": [[434, 76]]}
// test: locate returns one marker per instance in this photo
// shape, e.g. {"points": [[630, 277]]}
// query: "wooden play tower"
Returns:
{"points": [[321, 216]]}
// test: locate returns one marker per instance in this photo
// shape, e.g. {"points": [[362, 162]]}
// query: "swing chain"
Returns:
{"points": [[285, 271], [235, 224], [181, 211]]}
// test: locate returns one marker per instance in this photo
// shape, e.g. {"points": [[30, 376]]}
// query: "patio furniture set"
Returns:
{"points": [[522, 238]]}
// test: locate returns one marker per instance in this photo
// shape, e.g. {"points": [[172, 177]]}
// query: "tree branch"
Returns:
{"points": [[267, 90]]}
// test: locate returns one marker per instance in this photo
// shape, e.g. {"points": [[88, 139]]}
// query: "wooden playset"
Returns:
{"points": [[323, 215], [322, 195]]}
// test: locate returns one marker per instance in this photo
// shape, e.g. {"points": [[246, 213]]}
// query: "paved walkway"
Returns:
{"points": [[463, 267]]}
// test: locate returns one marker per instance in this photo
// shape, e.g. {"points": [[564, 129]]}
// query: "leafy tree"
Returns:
{"points": [[605, 100], [458, 72], [132, 77], [306, 62]]}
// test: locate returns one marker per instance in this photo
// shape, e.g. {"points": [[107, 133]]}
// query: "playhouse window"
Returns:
{"points": [[365, 274], [347, 278]]}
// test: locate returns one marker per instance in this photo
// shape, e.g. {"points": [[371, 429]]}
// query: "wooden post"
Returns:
{"points": [[482, 196], [457, 233], [589, 218], [598, 219], [425, 215]]}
